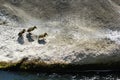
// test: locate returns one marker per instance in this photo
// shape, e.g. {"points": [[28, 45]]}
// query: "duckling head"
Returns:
{"points": [[35, 27], [45, 34], [24, 30]]}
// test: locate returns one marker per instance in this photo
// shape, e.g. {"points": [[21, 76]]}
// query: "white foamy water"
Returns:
{"points": [[74, 30], [114, 35]]}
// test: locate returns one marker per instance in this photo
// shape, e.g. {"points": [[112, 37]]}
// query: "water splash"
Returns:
{"points": [[114, 35]]}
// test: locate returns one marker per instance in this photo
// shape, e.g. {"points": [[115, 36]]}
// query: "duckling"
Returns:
{"points": [[21, 33], [31, 29], [42, 35]]}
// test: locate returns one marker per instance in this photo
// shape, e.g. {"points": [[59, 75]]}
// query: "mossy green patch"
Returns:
{"points": [[3, 64], [39, 66]]}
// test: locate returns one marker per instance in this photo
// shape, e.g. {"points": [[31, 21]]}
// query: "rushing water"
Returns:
{"points": [[70, 24], [7, 75]]}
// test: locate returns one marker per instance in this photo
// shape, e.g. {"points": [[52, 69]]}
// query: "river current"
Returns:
{"points": [[7, 75]]}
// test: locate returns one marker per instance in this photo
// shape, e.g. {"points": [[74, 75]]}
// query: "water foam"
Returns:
{"points": [[114, 35]]}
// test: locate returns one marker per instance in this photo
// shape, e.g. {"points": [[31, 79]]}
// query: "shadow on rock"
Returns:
{"points": [[29, 37], [20, 40], [42, 41]]}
